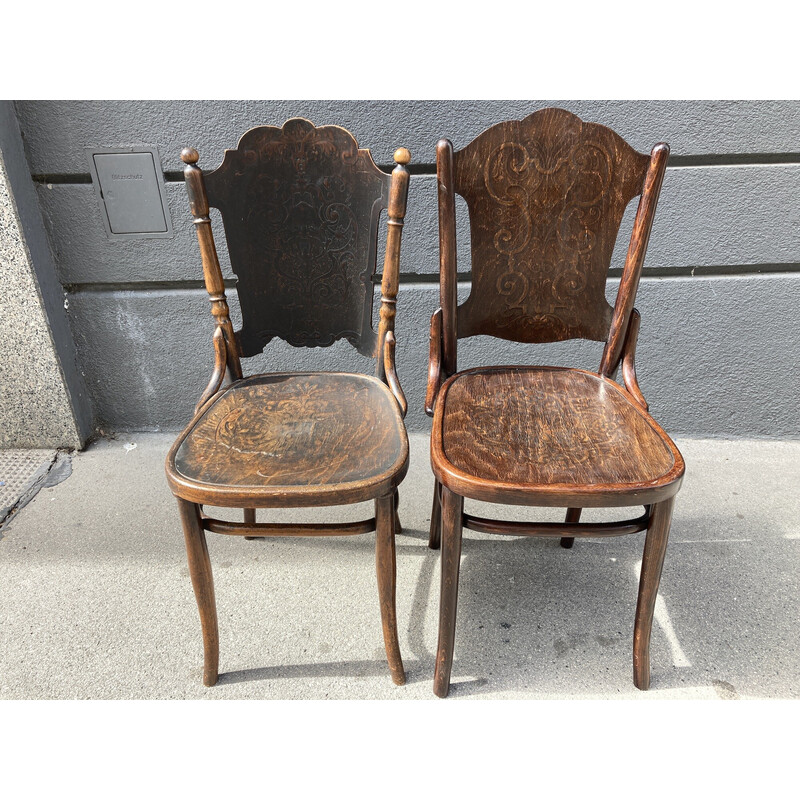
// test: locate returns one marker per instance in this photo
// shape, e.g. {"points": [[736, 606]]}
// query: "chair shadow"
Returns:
{"points": [[423, 601], [538, 619], [328, 669], [418, 670], [535, 618]]}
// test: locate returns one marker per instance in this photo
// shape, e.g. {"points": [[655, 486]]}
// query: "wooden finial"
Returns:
{"points": [[189, 155], [402, 156]]}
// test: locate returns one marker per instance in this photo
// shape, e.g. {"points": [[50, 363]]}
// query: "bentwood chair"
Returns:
{"points": [[300, 207], [546, 196]]}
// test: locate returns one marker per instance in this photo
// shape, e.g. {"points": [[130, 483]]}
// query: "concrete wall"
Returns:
{"points": [[42, 398], [719, 298]]}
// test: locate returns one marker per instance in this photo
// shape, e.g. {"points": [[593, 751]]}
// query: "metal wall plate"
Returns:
{"points": [[129, 185]]}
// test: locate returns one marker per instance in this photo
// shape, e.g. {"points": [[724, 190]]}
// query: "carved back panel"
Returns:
{"points": [[546, 196], [300, 206]]}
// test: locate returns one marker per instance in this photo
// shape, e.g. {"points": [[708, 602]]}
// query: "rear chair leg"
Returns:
{"points": [[386, 568], [203, 583], [436, 517], [573, 515], [250, 519], [655, 547], [452, 515]]}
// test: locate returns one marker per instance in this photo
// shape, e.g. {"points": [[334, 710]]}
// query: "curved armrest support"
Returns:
{"points": [[434, 362], [628, 362], [220, 363], [389, 344]]}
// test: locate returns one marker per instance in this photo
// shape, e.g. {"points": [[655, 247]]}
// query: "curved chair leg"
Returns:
{"points": [[398, 528], [573, 515], [387, 577], [655, 546], [436, 517], [203, 583], [451, 521]]}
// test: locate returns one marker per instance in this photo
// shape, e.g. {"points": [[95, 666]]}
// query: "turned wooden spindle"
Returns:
{"points": [[212, 273], [398, 194]]}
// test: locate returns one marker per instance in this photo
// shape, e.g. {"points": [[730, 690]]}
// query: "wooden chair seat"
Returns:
{"points": [[292, 439], [549, 436]]}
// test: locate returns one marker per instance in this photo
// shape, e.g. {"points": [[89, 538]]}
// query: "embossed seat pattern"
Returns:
{"points": [[544, 426], [298, 429]]}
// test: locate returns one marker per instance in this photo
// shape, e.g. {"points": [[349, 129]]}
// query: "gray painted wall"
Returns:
{"points": [[719, 298]]}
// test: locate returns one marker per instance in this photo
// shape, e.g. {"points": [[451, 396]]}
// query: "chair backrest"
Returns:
{"points": [[546, 196], [300, 206]]}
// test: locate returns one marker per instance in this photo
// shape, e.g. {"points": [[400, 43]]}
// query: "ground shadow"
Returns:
{"points": [[330, 669], [534, 617]]}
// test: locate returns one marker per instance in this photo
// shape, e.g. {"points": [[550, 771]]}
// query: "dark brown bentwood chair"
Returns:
{"points": [[546, 196], [300, 206]]}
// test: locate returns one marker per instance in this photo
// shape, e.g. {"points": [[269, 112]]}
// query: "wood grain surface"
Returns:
{"points": [[549, 436]]}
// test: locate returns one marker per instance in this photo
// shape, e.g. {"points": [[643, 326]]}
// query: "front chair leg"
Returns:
{"points": [[386, 568], [655, 547], [451, 516], [436, 517], [573, 515], [203, 583]]}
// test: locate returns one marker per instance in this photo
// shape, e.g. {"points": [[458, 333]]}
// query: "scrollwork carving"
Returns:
{"points": [[545, 207], [300, 207]]}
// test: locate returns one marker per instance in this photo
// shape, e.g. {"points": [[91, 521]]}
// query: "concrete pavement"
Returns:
{"points": [[96, 602]]}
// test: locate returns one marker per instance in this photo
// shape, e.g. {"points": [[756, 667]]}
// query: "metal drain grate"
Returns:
{"points": [[18, 470]]}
